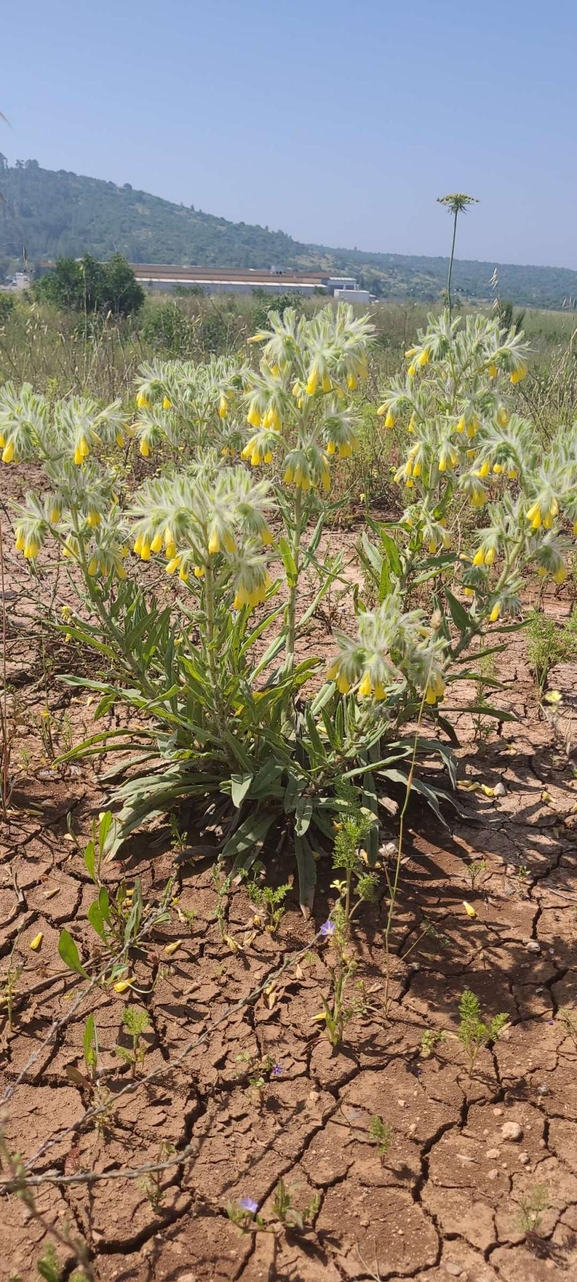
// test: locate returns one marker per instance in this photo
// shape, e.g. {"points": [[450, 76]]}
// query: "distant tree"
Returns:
{"points": [[85, 285]]}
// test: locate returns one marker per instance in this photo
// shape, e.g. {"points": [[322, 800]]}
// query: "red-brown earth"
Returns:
{"points": [[453, 1197]]}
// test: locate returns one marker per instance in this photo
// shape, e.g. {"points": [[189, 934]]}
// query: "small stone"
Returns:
{"points": [[532, 946], [493, 1173], [493, 1153], [454, 1270], [499, 790], [512, 1131], [524, 1158], [497, 1112], [412, 1128], [402, 1103]]}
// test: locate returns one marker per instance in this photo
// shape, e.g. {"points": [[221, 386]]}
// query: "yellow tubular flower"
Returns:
{"points": [[20, 540], [183, 574], [166, 404], [479, 557], [93, 567], [469, 591], [255, 458], [199, 572], [352, 382], [490, 556], [534, 516], [157, 543], [345, 450], [137, 545], [289, 475], [83, 447], [266, 537], [495, 612], [560, 575], [389, 419], [575, 528], [379, 691], [461, 425], [145, 550], [343, 686], [144, 449], [119, 439], [366, 686], [518, 374], [497, 468], [31, 549], [93, 519], [173, 565], [214, 543], [54, 515], [326, 383], [484, 469], [77, 456], [424, 358], [222, 406], [253, 416], [312, 382], [492, 370], [411, 371], [142, 401], [502, 416], [411, 426], [268, 457], [2, 441], [331, 447], [411, 352]]}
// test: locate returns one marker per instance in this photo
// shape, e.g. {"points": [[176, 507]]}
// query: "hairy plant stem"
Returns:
{"points": [[6, 739], [393, 885], [211, 649], [292, 601], [450, 276]]}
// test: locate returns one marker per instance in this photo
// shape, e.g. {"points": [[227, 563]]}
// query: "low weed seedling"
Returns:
{"points": [[136, 1023], [287, 1213], [549, 643], [9, 983], [382, 1135], [151, 1185], [474, 1033], [531, 1209], [569, 1021], [431, 1038], [270, 902], [475, 871]]}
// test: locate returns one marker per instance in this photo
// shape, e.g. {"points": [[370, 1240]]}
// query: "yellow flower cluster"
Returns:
{"points": [[434, 689], [255, 596], [543, 514]]}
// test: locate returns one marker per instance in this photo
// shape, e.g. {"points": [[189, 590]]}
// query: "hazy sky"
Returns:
{"points": [[338, 121]]}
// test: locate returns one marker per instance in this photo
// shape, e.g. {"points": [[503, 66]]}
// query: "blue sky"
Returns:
{"points": [[338, 121]]}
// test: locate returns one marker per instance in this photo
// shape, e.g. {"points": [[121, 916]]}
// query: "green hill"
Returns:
{"points": [[56, 214]]}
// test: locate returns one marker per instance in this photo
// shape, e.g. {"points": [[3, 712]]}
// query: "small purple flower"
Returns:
{"points": [[328, 928], [249, 1204], [277, 1070]]}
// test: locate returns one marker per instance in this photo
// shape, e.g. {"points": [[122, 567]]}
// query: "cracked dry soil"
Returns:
{"points": [[447, 1200]]}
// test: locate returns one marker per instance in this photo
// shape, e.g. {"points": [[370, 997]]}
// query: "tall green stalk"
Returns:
{"points": [[456, 203]]}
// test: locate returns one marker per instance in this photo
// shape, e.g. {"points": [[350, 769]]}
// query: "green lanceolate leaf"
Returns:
{"points": [[239, 786], [69, 953]]}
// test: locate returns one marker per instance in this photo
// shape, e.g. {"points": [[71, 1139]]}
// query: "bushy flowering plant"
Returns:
{"points": [[465, 448], [244, 455]]}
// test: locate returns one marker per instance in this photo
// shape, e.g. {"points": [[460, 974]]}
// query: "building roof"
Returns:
{"points": [[198, 275]]}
